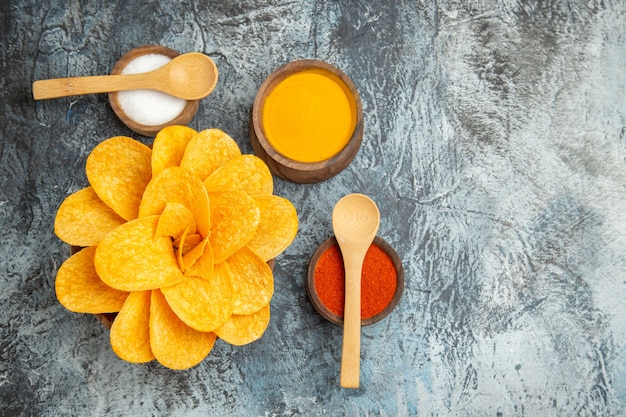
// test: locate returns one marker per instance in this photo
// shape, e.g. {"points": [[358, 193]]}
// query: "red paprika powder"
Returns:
{"points": [[378, 281]]}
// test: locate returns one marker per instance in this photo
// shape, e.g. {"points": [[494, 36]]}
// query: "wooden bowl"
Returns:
{"points": [[183, 118], [336, 319], [285, 167]]}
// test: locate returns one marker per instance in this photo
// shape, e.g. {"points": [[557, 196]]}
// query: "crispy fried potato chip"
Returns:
{"points": [[203, 304], [246, 173], [83, 219], [176, 185], [179, 251], [235, 217], [253, 281], [277, 228], [174, 220], [188, 243], [241, 330], [79, 289], [119, 169], [203, 266], [130, 332], [207, 151], [174, 344], [177, 242], [198, 262], [130, 258], [169, 146]]}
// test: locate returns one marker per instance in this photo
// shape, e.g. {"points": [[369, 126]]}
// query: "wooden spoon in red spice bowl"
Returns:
{"points": [[355, 223], [382, 281]]}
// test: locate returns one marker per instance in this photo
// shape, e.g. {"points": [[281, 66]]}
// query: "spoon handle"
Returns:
{"points": [[351, 349], [74, 86]]}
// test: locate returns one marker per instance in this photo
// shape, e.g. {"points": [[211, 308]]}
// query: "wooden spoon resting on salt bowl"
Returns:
{"points": [[190, 76]]}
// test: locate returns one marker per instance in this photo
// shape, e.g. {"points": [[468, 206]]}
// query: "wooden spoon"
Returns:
{"points": [[190, 76], [355, 223]]}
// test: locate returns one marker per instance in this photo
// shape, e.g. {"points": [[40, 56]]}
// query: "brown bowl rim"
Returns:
{"points": [[336, 319], [185, 116], [290, 169]]}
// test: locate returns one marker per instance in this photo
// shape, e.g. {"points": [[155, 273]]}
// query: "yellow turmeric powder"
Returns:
{"points": [[309, 116]]}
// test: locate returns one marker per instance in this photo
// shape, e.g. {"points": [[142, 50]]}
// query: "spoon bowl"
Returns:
{"points": [[190, 76], [121, 107], [355, 222], [318, 300]]}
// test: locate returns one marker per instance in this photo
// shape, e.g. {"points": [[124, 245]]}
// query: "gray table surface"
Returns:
{"points": [[494, 145]]}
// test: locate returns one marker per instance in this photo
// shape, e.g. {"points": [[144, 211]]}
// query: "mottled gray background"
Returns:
{"points": [[494, 144]]}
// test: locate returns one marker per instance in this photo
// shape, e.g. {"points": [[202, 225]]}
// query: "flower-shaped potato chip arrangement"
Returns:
{"points": [[176, 242]]}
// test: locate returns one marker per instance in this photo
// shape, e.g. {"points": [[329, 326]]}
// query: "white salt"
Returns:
{"points": [[149, 107]]}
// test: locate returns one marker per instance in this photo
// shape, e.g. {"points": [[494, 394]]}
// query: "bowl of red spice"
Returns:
{"points": [[382, 281]]}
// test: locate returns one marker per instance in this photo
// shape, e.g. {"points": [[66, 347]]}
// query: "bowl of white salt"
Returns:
{"points": [[148, 111]]}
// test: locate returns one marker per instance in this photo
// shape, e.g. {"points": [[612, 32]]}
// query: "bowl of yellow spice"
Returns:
{"points": [[307, 121]]}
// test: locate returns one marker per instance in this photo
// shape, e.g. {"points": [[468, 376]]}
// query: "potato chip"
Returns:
{"points": [[174, 344], [241, 330], [203, 266], [203, 304], [253, 282], [188, 243], [169, 146], [79, 289], [176, 185], [179, 252], [174, 220], [130, 259], [119, 169], [83, 219], [198, 262], [130, 332], [277, 228], [207, 151], [246, 173], [234, 218], [178, 243]]}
